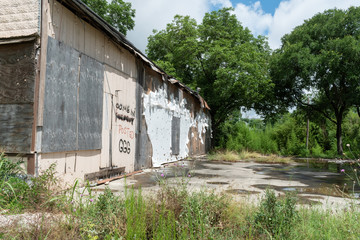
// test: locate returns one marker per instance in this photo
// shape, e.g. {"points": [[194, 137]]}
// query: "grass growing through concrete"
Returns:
{"points": [[175, 212], [245, 156]]}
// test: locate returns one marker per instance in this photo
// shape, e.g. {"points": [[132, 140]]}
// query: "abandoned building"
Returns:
{"points": [[75, 92]]}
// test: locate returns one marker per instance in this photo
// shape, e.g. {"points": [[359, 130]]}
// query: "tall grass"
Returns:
{"points": [[172, 212], [176, 213], [232, 156]]}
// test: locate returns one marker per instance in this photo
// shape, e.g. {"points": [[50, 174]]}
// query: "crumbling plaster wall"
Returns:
{"points": [[160, 106]]}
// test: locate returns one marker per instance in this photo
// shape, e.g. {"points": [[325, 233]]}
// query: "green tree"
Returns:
{"points": [[219, 56], [117, 13], [322, 56]]}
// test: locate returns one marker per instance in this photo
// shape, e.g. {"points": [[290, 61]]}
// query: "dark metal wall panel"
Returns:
{"points": [[60, 102], [17, 77], [17, 73], [90, 103], [15, 127], [175, 135], [143, 146]]}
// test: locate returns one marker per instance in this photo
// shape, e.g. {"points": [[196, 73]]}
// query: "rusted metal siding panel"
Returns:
{"points": [[19, 18], [60, 105], [15, 127], [73, 100], [143, 143], [65, 26], [17, 73], [90, 103], [17, 78]]}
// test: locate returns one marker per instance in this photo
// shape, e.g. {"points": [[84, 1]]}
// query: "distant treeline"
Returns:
{"points": [[287, 136]]}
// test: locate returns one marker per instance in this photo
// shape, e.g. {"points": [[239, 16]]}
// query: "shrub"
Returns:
{"points": [[275, 216], [13, 186], [19, 191]]}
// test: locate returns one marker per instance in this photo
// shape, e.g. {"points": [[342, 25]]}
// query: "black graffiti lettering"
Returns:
{"points": [[125, 108], [125, 118], [121, 145], [124, 146]]}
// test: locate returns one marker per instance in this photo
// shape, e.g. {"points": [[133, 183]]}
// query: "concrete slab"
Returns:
{"points": [[242, 180]]}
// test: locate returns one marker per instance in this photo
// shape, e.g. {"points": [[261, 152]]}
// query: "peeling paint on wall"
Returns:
{"points": [[97, 101], [159, 109]]}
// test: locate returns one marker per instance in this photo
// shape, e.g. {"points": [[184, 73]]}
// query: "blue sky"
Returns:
{"points": [[268, 6], [271, 18]]}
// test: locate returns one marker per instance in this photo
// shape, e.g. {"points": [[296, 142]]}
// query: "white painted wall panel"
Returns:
{"points": [[120, 118], [158, 112], [70, 165], [19, 18]]}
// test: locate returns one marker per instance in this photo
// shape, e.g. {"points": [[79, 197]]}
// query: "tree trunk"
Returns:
{"points": [[339, 133], [214, 131]]}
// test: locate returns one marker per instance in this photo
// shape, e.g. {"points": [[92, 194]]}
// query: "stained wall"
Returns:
{"points": [[140, 119]]}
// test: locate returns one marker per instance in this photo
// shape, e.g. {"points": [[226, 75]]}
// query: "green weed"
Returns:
{"points": [[275, 216]]}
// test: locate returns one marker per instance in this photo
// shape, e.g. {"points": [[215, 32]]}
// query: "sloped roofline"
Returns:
{"points": [[81, 10]]}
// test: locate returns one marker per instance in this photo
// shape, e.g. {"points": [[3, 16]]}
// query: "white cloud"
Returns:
{"points": [[254, 17], [292, 13], [155, 14], [222, 3]]}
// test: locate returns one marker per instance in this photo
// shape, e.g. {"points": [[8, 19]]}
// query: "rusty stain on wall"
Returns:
{"points": [[17, 78]]}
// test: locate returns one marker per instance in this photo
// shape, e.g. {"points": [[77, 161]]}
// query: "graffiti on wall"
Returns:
{"points": [[126, 131], [125, 118], [125, 109], [124, 146]]}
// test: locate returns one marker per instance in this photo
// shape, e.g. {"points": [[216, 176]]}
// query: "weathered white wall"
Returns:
{"points": [[158, 112], [119, 119], [70, 165], [19, 18], [120, 87]]}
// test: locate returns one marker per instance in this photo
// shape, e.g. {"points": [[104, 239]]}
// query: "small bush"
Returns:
{"points": [[276, 217], [20, 191]]}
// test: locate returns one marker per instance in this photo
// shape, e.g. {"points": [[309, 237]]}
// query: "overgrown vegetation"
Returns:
{"points": [[276, 217], [19, 191], [173, 212], [287, 136]]}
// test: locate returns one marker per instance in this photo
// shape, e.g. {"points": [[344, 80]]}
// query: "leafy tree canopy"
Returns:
{"points": [[322, 58], [117, 13], [219, 56]]}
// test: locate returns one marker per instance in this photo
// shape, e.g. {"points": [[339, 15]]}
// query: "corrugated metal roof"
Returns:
{"points": [[84, 12]]}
